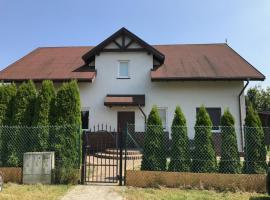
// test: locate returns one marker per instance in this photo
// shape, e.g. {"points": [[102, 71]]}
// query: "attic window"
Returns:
{"points": [[123, 70]]}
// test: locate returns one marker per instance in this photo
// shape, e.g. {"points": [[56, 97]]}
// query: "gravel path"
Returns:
{"points": [[95, 192]]}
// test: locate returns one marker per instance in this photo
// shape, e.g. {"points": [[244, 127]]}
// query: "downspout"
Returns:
{"points": [[240, 113]]}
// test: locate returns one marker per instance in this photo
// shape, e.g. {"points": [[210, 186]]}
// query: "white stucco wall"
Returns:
{"points": [[189, 94]]}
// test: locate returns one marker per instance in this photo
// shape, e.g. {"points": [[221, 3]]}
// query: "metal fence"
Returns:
{"points": [[65, 141], [230, 150]]}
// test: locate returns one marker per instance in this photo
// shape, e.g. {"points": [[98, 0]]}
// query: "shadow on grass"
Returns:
{"points": [[260, 198]]}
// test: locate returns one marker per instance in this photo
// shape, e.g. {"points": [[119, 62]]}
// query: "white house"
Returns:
{"points": [[121, 78]]}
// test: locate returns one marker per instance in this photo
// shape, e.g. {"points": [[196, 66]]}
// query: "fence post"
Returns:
{"points": [[83, 158], [125, 157], [121, 158]]}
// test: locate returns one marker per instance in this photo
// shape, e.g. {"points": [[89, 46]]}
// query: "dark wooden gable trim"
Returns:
{"points": [[123, 32]]}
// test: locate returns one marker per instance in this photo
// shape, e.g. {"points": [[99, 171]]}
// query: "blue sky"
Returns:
{"points": [[28, 24]]}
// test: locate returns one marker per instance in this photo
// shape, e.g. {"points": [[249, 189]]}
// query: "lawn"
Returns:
{"points": [[132, 193], [33, 192]]}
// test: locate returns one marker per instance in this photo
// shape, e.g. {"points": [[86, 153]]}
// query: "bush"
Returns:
{"points": [[42, 114], [255, 150], [22, 115], [180, 156], [67, 140], [204, 158], [7, 94], [154, 156], [230, 160]]}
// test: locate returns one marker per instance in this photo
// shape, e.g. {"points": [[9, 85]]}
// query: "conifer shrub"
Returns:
{"points": [[42, 115], [7, 94], [230, 159], [255, 150], [180, 152], [67, 136], [204, 158], [154, 154], [22, 116]]}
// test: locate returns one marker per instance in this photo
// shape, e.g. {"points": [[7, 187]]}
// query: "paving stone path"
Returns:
{"points": [[95, 192]]}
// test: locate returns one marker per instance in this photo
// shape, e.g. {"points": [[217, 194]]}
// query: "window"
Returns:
{"points": [[85, 119], [123, 71], [163, 115], [215, 116]]}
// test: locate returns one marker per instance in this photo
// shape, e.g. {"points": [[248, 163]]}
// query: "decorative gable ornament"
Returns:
{"points": [[123, 41]]}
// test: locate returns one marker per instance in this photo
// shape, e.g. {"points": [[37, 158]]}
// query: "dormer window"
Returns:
{"points": [[123, 70]]}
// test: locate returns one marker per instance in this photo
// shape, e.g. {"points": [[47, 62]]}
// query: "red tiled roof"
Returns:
{"points": [[203, 62], [55, 63], [182, 62]]}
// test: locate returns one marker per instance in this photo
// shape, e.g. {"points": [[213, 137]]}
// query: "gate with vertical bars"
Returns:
{"points": [[101, 159]]}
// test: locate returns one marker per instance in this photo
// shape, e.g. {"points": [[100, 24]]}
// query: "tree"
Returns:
{"points": [[154, 154], [42, 114], [259, 98], [230, 160], [23, 111], [180, 157], [7, 94], [255, 151], [67, 131], [24, 104], [204, 158]]}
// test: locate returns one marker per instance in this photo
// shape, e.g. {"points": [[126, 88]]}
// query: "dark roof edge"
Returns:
{"points": [[207, 79], [40, 80]]}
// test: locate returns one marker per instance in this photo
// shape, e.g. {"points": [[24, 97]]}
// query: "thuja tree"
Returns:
{"points": [[7, 94], [67, 135], [255, 151], [180, 156], [154, 154], [204, 158], [42, 113], [230, 160], [23, 112]]}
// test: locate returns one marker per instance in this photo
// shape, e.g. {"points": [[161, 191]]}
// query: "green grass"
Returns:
{"points": [[33, 192], [131, 193]]}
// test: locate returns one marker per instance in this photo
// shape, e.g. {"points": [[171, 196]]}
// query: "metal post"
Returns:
{"points": [[121, 158], [83, 158], [125, 146]]}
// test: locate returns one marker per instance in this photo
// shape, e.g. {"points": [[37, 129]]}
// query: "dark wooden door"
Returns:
{"points": [[123, 118]]}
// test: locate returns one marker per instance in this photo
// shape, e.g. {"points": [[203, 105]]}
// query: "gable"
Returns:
{"points": [[123, 41]]}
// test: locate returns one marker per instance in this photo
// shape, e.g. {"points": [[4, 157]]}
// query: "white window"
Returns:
{"points": [[123, 70], [85, 118], [163, 115]]}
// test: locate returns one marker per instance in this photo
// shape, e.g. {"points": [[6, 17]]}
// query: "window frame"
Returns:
{"points": [[86, 109], [118, 74], [166, 117]]}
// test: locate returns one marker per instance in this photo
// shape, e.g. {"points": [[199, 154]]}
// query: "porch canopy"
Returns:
{"points": [[124, 100]]}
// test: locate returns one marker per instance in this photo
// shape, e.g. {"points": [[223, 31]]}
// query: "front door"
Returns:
{"points": [[124, 118]]}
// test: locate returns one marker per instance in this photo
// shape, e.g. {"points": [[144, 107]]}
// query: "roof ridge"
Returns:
{"points": [[176, 44], [63, 46], [179, 44]]}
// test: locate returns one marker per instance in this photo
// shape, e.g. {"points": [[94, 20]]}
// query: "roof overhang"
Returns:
{"points": [[124, 100], [159, 79]]}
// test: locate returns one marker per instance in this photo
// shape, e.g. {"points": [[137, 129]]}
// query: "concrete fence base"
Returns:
{"points": [[12, 174], [232, 182]]}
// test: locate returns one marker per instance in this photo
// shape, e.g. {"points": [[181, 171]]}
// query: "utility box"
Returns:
{"points": [[38, 167]]}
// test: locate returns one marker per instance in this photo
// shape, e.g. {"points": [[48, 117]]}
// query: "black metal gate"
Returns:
{"points": [[102, 156]]}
